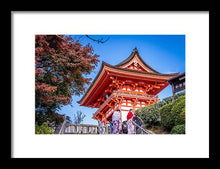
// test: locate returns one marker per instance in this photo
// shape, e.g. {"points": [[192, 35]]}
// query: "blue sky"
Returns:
{"points": [[164, 53]]}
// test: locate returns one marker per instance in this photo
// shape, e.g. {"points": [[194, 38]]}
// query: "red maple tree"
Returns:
{"points": [[60, 66]]}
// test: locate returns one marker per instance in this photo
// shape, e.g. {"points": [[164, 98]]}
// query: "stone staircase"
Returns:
{"points": [[92, 129], [81, 129], [66, 128]]}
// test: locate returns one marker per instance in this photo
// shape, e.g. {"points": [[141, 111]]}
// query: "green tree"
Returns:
{"points": [[178, 129], [178, 111], [176, 96], [173, 114], [166, 116], [150, 115], [44, 128], [160, 104], [52, 117], [168, 100]]}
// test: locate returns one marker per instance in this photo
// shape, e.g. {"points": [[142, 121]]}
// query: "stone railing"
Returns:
{"points": [[83, 129]]}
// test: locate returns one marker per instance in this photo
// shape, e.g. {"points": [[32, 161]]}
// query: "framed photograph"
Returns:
{"points": [[108, 80]]}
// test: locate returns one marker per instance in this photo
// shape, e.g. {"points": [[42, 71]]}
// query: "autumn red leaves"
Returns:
{"points": [[60, 66]]}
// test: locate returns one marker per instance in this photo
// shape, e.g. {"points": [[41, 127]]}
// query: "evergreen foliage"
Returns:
{"points": [[178, 129], [43, 129], [168, 114], [149, 115]]}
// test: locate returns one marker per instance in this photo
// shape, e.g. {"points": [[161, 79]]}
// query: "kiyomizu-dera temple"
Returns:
{"points": [[129, 84]]}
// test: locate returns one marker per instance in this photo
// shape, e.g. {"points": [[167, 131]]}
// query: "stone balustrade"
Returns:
{"points": [[83, 129]]}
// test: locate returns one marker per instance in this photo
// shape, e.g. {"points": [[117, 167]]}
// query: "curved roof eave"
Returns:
{"points": [[123, 69], [100, 70], [127, 60]]}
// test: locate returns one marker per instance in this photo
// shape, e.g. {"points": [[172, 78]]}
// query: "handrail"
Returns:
{"points": [[62, 130], [95, 129], [100, 126], [144, 130]]}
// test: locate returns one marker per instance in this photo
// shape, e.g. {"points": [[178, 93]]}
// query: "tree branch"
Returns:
{"points": [[98, 40]]}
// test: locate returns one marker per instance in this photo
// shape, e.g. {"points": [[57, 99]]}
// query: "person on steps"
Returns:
{"points": [[116, 121], [130, 122]]}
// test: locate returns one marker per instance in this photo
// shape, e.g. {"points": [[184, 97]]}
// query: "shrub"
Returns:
{"points": [[176, 96], [170, 113], [149, 115], [160, 104], [178, 129], [43, 129], [168, 100], [178, 111], [138, 111], [166, 117]]}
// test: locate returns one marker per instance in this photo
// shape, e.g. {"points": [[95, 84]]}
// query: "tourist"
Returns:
{"points": [[124, 127], [116, 120], [139, 122], [130, 122], [110, 125]]}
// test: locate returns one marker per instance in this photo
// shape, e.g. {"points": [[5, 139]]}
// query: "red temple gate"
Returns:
{"points": [[129, 84]]}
